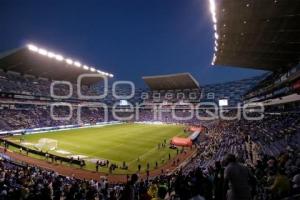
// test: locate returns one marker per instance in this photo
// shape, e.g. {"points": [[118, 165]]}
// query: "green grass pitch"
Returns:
{"points": [[116, 143]]}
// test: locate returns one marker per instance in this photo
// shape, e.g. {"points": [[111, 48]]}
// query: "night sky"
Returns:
{"points": [[129, 38]]}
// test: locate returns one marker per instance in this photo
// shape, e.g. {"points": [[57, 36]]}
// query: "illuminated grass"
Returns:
{"points": [[116, 143]]}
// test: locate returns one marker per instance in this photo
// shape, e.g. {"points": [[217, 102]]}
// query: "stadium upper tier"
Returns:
{"points": [[39, 62], [276, 85], [233, 91], [19, 87], [260, 34]]}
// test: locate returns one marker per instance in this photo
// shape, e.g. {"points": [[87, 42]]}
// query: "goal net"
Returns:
{"points": [[46, 144]]}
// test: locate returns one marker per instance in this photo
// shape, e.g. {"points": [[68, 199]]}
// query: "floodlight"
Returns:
{"points": [[85, 67], [216, 35], [32, 47], [69, 61], [214, 60], [42, 52], [59, 57], [92, 69], [216, 43], [213, 10], [77, 64], [50, 54]]}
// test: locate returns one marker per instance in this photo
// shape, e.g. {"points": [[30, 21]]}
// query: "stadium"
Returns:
{"points": [[72, 130]]}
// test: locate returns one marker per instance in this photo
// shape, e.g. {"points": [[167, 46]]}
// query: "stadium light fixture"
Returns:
{"points": [[100, 72], [59, 57], [216, 35], [92, 69], [77, 64], [213, 10], [85, 67], [50, 54], [69, 61], [42, 52], [32, 47], [214, 59], [216, 43], [212, 6]]}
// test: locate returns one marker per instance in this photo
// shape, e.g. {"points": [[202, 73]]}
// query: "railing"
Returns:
{"points": [[55, 158]]}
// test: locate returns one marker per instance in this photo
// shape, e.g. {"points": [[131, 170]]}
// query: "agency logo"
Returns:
{"points": [[177, 106]]}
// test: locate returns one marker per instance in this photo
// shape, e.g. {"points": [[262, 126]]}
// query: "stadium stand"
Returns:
{"points": [[233, 91], [269, 148]]}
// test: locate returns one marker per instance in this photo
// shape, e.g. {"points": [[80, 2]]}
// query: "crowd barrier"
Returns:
{"points": [[41, 153]]}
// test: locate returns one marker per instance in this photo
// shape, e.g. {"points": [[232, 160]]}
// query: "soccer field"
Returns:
{"points": [[116, 143]]}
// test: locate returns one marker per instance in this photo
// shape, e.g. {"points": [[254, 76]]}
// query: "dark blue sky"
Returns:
{"points": [[129, 38]]}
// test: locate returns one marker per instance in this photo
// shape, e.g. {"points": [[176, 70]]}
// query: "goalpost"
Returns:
{"points": [[46, 144]]}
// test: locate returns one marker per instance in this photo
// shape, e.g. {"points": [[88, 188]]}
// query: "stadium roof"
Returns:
{"points": [[171, 81], [259, 34], [42, 63]]}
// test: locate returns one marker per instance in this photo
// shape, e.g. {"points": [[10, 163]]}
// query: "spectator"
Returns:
{"points": [[131, 192], [236, 177], [281, 185]]}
